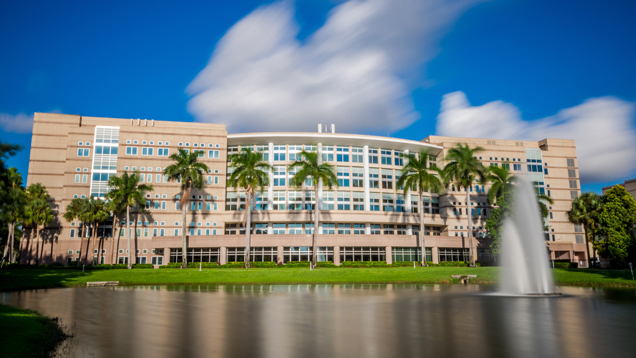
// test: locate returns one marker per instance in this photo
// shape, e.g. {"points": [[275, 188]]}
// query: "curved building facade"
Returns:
{"points": [[365, 217]]}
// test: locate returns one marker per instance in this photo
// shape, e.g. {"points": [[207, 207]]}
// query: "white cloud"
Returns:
{"points": [[20, 123], [603, 129], [356, 71]]}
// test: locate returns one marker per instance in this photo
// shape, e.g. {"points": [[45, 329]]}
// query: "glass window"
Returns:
{"points": [[385, 156], [328, 228], [343, 176], [295, 228], [327, 153], [362, 254], [374, 173], [387, 179], [373, 156], [387, 202], [374, 201], [279, 200], [279, 153], [310, 200], [344, 200], [295, 200], [327, 200], [358, 200], [279, 228], [356, 154], [344, 229], [342, 154]]}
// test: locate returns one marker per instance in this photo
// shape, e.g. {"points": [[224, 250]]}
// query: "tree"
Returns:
{"points": [[462, 168], [416, 176], [494, 224], [501, 180], [94, 212], [14, 199], [38, 212], [250, 172], [116, 209], [585, 211], [616, 223], [308, 167], [187, 170], [74, 211], [126, 191]]}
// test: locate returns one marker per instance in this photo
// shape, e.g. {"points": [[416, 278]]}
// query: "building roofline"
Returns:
{"points": [[330, 139]]}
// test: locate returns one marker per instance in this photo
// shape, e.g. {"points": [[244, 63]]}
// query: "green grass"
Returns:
{"points": [[26, 333], [19, 279]]}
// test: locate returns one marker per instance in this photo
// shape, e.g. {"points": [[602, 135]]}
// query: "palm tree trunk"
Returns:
{"points": [[128, 236], [470, 228], [113, 254], [184, 248], [248, 227], [37, 245], [314, 244], [99, 246], [420, 205], [12, 243], [5, 255], [587, 246]]}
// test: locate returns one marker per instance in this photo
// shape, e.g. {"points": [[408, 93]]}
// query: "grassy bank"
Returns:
{"points": [[19, 279], [26, 333]]}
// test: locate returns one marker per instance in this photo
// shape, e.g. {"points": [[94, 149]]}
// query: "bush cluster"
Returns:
{"points": [[451, 264], [364, 264], [565, 264]]}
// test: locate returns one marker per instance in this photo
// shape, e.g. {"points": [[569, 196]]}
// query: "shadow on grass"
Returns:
{"points": [[595, 277], [31, 278]]}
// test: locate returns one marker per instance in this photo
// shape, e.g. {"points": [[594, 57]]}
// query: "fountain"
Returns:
{"points": [[525, 266]]}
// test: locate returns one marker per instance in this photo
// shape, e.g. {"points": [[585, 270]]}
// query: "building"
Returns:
{"points": [[364, 218], [629, 185]]}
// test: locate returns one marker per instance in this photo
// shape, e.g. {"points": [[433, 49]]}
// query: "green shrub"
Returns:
{"points": [[142, 266], [263, 264], [565, 264], [405, 264], [171, 265], [296, 264], [365, 264], [234, 265], [451, 264], [107, 267], [325, 264], [205, 265]]}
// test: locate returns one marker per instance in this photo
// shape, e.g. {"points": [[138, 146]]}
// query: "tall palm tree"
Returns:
{"points": [[187, 170], [74, 211], [308, 167], [416, 176], [116, 209], [462, 168], [250, 173], [38, 212], [501, 180], [126, 190], [585, 211], [94, 212], [12, 211]]}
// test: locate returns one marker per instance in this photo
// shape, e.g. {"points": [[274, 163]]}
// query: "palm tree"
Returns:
{"points": [[94, 212], [462, 168], [14, 200], [116, 209], [250, 172], [187, 170], [501, 180], [308, 167], [126, 191], [74, 211], [38, 212], [416, 176], [585, 210]]}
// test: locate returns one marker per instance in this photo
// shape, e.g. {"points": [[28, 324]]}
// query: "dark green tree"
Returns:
{"points": [[309, 167], [616, 221], [188, 171], [462, 169], [38, 213], [417, 175], [585, 211], [250, 173]]}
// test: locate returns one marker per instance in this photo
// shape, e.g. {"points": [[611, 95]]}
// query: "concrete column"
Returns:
{"points": [[280, 254], [365, 161], [270, 187], [367, 229], [389, 255], [409, 229], [336, 255], [223, 255], [435, 253], [270, 228], [166, 255]]}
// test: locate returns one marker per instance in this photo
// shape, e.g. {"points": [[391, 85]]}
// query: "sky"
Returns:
{"points": [[505, 69]]}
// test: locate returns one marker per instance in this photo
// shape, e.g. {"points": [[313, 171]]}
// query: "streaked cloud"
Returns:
{"points": [[357, 70], [603, 129], [20, 123]]}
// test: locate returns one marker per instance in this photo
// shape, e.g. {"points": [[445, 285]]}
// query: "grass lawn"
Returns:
{"points": [[26, 333], [19, 279]]}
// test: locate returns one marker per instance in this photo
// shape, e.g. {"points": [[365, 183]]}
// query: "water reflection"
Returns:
{"points": [[338, 320]]}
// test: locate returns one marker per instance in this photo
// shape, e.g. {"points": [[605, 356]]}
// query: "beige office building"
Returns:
{"points": [[365, 217]]}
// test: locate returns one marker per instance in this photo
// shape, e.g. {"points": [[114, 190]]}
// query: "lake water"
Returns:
{"points": [[337, 321]]}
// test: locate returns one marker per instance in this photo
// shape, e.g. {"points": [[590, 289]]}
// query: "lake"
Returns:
{"points": [[337, 321]]}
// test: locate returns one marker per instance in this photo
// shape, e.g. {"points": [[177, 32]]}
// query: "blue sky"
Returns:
{"points": [[516, 68]]}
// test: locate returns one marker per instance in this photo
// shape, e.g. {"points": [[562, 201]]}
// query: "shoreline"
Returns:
{"points": [[35, 278]]}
